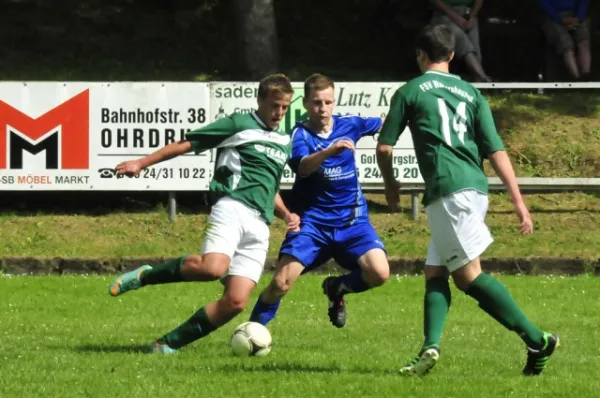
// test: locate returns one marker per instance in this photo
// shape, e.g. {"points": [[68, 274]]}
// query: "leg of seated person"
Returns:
{"points": [[584, 57]]}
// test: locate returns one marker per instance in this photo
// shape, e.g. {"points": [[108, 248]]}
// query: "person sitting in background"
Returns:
{"points": [[461, 16], [565, 23]]}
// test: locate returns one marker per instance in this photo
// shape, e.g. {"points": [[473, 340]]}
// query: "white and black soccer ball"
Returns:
{"points": [[251, 339]]}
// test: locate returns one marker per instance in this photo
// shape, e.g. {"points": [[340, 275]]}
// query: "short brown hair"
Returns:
{"points": [[277, 83], [317, 82], [437, 41]]}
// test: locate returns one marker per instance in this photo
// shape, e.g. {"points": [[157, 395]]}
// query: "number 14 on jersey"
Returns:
{"points": [[458, 126]]}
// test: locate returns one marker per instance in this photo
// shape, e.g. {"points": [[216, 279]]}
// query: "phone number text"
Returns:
{"points": [[164, 173]]}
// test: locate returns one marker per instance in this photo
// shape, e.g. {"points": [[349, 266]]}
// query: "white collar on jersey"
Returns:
{"points": [[437, 72], [324, 135], [262, 124]]}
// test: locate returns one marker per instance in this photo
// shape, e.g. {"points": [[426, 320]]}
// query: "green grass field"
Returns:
{"points": [[66, 337]]}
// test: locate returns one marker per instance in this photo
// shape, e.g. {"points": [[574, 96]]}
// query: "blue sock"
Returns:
{"points": [[263, 313], [351, 283]]}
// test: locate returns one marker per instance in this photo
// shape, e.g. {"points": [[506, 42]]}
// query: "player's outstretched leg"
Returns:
{"points": [[208, 318], [372, 271], [495, 300], [147, 275], [269, 300], [209, 267], [128, 281]]}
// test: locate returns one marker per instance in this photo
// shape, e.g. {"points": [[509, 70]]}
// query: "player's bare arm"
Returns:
{"points": [[391, 185], [134, 167], [503, 167], [292, 220], [311, 163]]}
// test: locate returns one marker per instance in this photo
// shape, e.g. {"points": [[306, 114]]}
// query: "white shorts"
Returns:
{"points": [[458, 231], [241, 233]]}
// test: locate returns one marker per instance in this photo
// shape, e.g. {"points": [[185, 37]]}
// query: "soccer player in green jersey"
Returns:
{"points": [[453, 130], [251, 154]]}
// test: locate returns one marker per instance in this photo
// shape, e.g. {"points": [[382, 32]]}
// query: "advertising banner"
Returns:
{"points": [[71, 136], [363, 99]]}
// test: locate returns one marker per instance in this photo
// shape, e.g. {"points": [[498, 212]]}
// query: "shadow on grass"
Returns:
{"points": [[104, 349], [304, 368]]}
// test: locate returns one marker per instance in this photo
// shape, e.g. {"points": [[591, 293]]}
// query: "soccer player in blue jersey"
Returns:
{"points": [[333, 211]]}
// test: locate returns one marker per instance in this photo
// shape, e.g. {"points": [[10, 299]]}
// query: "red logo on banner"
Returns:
{"points": [[62, 132]]}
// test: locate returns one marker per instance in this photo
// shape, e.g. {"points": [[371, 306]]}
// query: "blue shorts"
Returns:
{"points": [[314, 245]]}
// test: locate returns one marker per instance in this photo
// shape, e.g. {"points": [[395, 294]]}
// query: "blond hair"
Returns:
{"points": [[277, 84]]}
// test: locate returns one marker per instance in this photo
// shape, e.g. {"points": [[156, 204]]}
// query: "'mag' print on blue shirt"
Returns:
{"points": [[332, 195]]}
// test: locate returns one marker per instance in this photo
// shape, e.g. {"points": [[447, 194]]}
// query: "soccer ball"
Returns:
{"points": [[251, 339]]}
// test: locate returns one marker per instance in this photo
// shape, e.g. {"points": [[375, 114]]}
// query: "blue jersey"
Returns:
{"points": [[332, 195]]}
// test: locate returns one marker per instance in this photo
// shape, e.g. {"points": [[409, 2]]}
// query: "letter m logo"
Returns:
{"points": [[62, 133]]}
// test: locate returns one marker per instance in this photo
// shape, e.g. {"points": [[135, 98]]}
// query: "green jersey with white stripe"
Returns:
{"points": [[250, 159], [452, 130]]}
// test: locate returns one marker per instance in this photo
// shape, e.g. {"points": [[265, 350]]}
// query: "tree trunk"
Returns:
{"points": [[257, 37]]}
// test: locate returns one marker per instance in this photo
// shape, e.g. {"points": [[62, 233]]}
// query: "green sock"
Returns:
{"points": [[191, 330], [494, 299], [436, 305], [168, 272]]}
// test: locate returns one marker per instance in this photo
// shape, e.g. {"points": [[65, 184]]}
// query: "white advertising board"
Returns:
{"points": [[364, 99], [70, 136]]}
